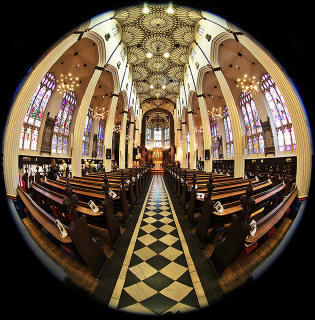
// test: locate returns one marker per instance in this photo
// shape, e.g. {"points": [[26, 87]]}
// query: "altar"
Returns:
{"points": [[157, 156]]}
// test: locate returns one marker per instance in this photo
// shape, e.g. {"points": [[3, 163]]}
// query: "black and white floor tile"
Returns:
{"points": [[158, 274]]}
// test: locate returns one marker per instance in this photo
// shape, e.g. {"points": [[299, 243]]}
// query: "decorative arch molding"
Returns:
{"points": [[171, 124], [101, 47], [19, 108], [214, 49], [115, 76]]}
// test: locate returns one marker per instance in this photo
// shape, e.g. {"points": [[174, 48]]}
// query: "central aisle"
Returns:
{"points": [[158, 274]]}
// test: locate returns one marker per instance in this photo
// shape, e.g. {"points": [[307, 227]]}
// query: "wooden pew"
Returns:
{"points": [[77, 233], [96, 221]]}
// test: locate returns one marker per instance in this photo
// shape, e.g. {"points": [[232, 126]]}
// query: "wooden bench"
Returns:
{"points": [[77, 233]]}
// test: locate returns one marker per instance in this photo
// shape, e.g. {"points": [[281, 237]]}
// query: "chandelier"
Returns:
{"points": [[198, 129], [247, 83], [67, 82], [117, 128], [99, 113], [216, 113]]}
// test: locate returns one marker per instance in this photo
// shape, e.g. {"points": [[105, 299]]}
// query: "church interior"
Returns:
{"points": [[156, 159]]}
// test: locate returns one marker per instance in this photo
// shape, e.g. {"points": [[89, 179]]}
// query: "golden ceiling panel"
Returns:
{"points": [[176, 72], [132, 35], [184, 35], [187, 16], [157, 46], [158, 21], [158, 80], [140, 73], [158, 64], [143, 87], [136, 55], [179, 55], [128, 15]]}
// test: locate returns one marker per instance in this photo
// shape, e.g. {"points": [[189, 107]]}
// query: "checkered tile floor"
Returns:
{"points": [[158, 274]]}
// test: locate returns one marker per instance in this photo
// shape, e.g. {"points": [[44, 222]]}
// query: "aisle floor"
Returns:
{"points": [[158, 274]]}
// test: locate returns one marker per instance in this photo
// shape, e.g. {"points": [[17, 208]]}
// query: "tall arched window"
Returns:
{"points": [[167, 137], [157, 137], [62, 125], [255, 140], [86, 133], [100, 138], [148, 135], [215, 137], [35, 113], [280, 114], [228, 133]]}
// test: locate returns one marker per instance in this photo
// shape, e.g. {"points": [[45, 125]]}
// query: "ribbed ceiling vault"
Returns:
{"points": [[157, 32]]}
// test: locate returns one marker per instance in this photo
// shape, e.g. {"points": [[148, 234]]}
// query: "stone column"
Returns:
{"points": [[191, 128], [239, 162], [94, 130], [207, 142], [130, 142], [122, 140], [108, 134], [79, 123], [185, 146], [297, 113]]}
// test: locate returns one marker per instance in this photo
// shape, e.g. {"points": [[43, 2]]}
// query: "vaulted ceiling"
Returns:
{"points": [[157, 47]]}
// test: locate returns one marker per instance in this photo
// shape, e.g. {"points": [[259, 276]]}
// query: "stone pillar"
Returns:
{"points": [[239, 162], [130, 142], [185, 146], [108, 134], [79, 123], [122, 140], [94, 130], [297, 113], [207, 142], [191, 128]]}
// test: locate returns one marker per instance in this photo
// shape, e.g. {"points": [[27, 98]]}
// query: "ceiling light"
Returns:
{"points": [[170, 9], [145, 9], [149, 55], [151, 86], [166, 55], [164, 86]]}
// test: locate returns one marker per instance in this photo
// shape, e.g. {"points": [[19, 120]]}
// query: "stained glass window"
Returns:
{"points": [[54, 143], [157, 135], [148, 135], [86, 133], [34, 115], [280, 114], [100, 138], [228, 133], [214, 136], [253, 127], [63, 122]]}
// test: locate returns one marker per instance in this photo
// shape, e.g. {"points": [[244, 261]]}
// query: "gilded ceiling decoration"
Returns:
{"points": [[157, 47]]}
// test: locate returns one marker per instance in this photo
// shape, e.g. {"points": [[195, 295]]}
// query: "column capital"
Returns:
{"points": [[189, 112], [114, 95], [201, 95], [99, 68]]}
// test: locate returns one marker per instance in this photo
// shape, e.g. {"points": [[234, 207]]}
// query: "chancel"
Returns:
{"points": [[157, 154]]}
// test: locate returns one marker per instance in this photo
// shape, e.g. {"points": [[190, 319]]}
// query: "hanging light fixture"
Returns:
{"points": [[67, 82], [170, 9], [145, 9], [247, 83]]}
